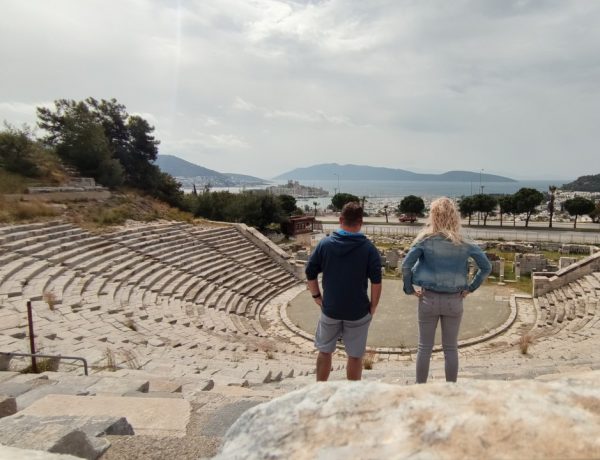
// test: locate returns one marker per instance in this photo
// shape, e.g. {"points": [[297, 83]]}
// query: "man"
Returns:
{"points": [[347, 260]]}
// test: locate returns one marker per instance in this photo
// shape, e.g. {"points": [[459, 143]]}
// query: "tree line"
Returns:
{"points": [[525, 201], [99, 139]]}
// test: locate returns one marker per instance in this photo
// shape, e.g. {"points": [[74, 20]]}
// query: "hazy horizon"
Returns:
{"points": [[416, 170], [260, 87]]}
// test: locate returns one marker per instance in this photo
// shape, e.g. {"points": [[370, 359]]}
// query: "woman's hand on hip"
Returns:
{"points": [[464, 294], [418, 293]]}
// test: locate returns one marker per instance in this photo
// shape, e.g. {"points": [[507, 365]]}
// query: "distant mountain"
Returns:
{"points": [[189, 173], [584, 184], [246, 180], [356, 172], [178, 167]]}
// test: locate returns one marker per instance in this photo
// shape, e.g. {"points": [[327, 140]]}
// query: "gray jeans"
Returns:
{"points": [[448, 308]]}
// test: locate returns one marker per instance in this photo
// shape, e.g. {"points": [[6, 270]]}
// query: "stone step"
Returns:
{"points": [[81, 436], [148, 416]]}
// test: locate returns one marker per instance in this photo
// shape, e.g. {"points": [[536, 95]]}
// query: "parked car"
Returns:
{"points": [[407, 218]]}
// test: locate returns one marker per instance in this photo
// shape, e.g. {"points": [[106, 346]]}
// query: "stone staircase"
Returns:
{"points": [[81, 415]]}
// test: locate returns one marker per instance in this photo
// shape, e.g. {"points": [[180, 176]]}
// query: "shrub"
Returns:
{"points": [[50, 298], [109, 356], [369, 360], [130, 359], [268, 348], [17, 150], [524, 342]]}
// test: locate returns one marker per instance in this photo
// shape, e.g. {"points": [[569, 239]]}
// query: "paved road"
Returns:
{"points": [[508, 223], [508, 234]]}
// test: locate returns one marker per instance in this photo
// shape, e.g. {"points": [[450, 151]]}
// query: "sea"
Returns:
{"points": [[390, 191]]}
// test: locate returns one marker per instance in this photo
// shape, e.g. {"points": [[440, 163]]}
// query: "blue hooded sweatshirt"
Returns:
{"points": [[347, 261]]}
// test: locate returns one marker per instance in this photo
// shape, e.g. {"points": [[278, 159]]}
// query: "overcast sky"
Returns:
{"points": [[263, 86]]}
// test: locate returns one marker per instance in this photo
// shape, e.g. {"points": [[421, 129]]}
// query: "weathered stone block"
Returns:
{"points": [[8, 406], [14, 453], [470, 419], [113, 386], [77, 436], [5, 362], [147, 416], [26, 399]]}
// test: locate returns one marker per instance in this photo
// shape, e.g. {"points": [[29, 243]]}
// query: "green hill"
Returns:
{"points": [[584, 184], [183, 169]]}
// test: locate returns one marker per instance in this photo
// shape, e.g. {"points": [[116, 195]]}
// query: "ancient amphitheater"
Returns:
{"points": [[191, 322]]}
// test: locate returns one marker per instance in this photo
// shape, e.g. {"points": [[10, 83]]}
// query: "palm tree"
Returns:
{"points": [[552, 190], [385, 208], [315, 205]]}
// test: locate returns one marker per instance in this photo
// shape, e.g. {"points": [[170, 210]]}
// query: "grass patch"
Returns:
{"points": [[523, 284], [122, 206], [43, 365], [555, 255], [17, 211], [13, 183], [112, 216]]}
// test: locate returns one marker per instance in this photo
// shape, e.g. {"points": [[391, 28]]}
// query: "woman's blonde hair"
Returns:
{"points": [[444, 220]]}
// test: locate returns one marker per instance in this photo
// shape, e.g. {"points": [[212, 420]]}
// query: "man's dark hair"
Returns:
{"points": [[352, 214]]}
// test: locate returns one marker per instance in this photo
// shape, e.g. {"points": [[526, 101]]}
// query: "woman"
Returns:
{"points": [[438, 263]]}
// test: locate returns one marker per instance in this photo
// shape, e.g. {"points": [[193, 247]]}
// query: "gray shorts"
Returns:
{"points": [[353, 333]]}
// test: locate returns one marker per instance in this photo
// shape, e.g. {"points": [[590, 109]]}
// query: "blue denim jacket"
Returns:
{"points": [[437, 264]]}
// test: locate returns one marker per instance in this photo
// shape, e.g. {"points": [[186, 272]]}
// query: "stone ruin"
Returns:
{"points": [[583, 249], [529, 263], [564, 262], [195, 321], [470, 420]]}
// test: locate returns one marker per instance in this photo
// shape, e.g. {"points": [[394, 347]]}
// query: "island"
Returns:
{"points": [[297, 190]]}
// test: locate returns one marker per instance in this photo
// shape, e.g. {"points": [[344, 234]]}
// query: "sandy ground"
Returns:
{"points": [[395, 323]]}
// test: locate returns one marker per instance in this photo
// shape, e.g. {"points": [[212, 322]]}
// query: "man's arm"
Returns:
{"points": [[315, 292], [375, 296], [313, 268]]}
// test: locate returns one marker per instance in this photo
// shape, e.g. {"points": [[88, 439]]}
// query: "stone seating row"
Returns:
{"points": [[569, 307], [91, 288], [110, 256]]}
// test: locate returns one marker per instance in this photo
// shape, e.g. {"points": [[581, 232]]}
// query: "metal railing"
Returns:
{"points": [[563, 237], [33, 356]]}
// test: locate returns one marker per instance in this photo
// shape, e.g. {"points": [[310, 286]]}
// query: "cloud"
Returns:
{"points": [[316, 116], [209, 141], [268, 85], [242, 105]]}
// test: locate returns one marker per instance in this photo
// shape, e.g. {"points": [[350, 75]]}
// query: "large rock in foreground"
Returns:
{"points": [[471, 419]]}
